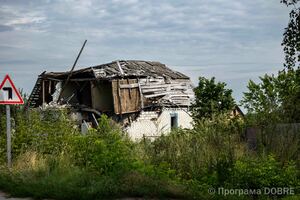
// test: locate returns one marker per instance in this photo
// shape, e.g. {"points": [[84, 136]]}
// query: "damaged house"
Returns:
{"points": [[145, 98]]}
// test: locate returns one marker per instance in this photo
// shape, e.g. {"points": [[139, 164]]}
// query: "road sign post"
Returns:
{"points": [[9, 95], [8, 135]]}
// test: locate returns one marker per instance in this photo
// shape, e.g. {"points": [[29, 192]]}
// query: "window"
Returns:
{"points": [[174, 120]]}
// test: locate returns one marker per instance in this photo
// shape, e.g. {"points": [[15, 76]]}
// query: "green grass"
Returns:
{"points": [[40, 178]]}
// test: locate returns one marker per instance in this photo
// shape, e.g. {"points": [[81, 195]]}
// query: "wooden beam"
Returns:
{"points": [[53, 79], [132, 85], [49, 87], [156, 95], [180, 95], [153, 90], [129, 89], [119, 97], [71, 71], [83, 79], [120, 68], [43, 91], [172, 85], [141, 94], [154, 86]]}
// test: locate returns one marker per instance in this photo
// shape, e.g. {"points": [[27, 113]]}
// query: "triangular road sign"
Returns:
{"points": [[8, 92]]}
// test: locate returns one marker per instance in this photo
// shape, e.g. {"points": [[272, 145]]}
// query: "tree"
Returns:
{"points": [[280, 94], [262, 97], [291, 36], [211, 98], [289, 78]]}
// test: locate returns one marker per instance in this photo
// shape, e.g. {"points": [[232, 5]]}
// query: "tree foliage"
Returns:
{"points": [[281, 93], [278, 95], [291, 37], [211, 98], [262, 96]]}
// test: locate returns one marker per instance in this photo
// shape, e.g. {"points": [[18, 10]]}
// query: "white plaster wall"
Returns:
{"points": [[150, 124], [164, 120]]}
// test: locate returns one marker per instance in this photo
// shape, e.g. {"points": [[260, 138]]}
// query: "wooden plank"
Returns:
{"points": [[120, 68], [119, 97], [147, 80], [154, 86], [129, 104], [153, 90], [43, 91], [49, 87], [129, 89], [127, 86], [99, 73], [178, 99], [141, 94], [115, 98], [180, 95], [174, 85], [83, 79], [53, 79], [131, 97], [156, 95]]}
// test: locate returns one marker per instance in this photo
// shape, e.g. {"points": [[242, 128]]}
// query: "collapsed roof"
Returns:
{"points": [[119, 87], [123, 68]]}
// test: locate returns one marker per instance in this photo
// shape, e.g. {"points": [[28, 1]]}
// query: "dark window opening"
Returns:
{"points": [[174, 121]]}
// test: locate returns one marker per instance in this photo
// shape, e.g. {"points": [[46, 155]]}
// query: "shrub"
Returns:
{"points": [[263, 172], [212, 144], [104, 149]]}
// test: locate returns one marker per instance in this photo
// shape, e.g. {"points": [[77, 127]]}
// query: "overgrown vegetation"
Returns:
{"points": [[51, 159]]}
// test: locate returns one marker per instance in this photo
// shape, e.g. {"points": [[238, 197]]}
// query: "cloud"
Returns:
{"points": [[18, 18], [5, 28]]}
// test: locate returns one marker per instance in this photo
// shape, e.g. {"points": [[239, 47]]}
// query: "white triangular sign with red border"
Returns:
{"points": [[8, 92]]}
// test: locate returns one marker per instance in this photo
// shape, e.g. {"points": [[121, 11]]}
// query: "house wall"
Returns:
{"points": [[126, 96], [184, 120], [77, 93], [151, 124], [68, 92], [102, 98]]}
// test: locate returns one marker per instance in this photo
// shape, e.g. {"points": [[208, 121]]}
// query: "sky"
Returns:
{"points": [[235, 40]]}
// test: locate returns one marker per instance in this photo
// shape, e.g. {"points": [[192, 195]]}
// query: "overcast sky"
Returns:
{"points": [[233, 40]]}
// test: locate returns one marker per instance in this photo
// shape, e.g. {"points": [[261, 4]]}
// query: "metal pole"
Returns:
{"points": [[8, 136]]}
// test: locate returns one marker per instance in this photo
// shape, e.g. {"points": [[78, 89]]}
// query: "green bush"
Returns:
{"points": [[104, 149], [258, 173]]}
